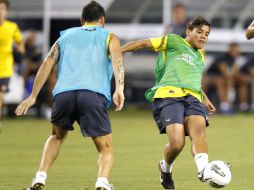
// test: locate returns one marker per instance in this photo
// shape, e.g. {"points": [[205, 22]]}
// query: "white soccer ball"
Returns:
{"points": [[217, 174]]}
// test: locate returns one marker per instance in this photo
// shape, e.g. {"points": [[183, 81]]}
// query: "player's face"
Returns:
{"points": [[198, 36], [3, 11]]}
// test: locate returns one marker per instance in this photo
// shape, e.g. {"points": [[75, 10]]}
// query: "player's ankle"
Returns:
{"points": [[165, 167], [201, 160], [102, 182], [102, 179], [41, 176]]}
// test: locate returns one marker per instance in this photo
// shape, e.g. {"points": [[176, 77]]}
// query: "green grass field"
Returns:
{"points": [[137, 146]]}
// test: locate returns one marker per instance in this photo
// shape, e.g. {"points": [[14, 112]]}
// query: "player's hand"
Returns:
{"points": [[118, 99], [25, 105], [209, 106]]}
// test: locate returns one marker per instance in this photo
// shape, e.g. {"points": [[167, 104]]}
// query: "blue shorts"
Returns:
{"points": [[170, 111], [4, 84], [86, 107]]}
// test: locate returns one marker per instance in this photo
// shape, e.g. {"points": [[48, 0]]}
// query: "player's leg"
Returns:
{"points": [[195, 124], [221, 91], [195, 127], [251, 73], [230, 89], [176, 138], [1, 103], [1, 107], [4, 82], [168, 114], [105, 161], [52, 148], [94, 122], [49, 155], [62, 118], [252, 94], [242, 81]]}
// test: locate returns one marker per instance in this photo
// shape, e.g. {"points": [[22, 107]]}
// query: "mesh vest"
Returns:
{"points": [[179, 65], [84, 62]]}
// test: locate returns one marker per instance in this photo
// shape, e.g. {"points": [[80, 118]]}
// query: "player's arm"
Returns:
{"points": [[137, 45], [118, 69], [40, 79], [20, 47], [250, 31], [155, 44], [208, 104], [19, 42]]}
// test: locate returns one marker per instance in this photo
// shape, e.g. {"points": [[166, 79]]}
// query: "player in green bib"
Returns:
{"points": [[179, 106]]}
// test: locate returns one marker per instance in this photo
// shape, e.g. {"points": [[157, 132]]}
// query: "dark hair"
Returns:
{"points": [[93, 12], [197, 22], [6, 2]]}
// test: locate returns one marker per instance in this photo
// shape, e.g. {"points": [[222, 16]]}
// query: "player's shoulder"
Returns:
{"points": [[10, 24], [107, 33], [174, 38], [66, 31], [106, 30]]}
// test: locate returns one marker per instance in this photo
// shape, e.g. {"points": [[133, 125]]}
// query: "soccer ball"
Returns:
{"points": [[217, 174]]}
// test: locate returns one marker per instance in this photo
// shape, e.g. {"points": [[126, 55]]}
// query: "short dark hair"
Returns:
{"points": [[93, 12], [197, 22], [6, 2]]}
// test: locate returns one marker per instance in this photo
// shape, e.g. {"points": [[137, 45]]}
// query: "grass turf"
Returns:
{"points": [[137, 146]]}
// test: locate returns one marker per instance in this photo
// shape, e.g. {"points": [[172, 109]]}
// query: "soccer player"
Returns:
{"points": [[82, 90], [250, 31], [9, 33], [179, 106]]}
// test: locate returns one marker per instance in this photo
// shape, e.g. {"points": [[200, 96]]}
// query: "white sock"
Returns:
{"points": [[102, 179], [201, 160], [103, 182], [41, 174], [40, 177], [166, 167]]}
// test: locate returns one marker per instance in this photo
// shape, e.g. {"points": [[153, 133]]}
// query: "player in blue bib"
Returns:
{"points": [[87, 57]]}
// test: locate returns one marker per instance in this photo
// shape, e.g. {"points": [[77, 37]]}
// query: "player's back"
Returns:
{"points": [[84, 61]]}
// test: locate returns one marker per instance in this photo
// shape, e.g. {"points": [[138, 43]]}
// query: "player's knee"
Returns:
{"points": [[199, 135], [177, 145], [58, 135], [107, 148], [104, 146]]}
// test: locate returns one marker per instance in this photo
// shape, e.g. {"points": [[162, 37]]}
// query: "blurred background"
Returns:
{"points": [[229, 73]]}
